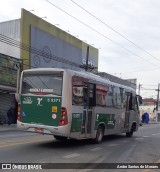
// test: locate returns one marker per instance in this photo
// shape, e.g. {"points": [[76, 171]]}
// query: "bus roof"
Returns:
{"points": [[82, 74]]}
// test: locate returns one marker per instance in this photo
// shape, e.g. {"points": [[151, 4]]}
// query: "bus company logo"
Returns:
{"points": [[27, 100], [76, 115], [39, 101]]}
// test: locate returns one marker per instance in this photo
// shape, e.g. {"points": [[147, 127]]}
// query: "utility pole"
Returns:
{"points": [[87, 58], [139, 88], [157, 102]]}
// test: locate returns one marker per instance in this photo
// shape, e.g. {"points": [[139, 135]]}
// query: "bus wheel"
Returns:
{"points": [[60, 138], [129, 134], [99, 134]]}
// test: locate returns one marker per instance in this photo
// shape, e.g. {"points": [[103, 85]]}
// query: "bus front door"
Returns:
{"points": [[88, 101], [128, 108]]}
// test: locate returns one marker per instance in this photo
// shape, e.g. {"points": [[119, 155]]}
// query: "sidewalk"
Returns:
{"points": [[151, 122], [6, 127]]}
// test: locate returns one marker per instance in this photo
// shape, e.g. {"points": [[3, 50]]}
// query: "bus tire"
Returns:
{"points": [[99, 134], [60, 138], [129, 134]]}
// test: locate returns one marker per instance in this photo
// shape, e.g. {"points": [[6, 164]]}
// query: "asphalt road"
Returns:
{"points": [[22, 147]]}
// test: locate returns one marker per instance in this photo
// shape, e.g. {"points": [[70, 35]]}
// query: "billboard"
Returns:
{"points": [[49, 39]]}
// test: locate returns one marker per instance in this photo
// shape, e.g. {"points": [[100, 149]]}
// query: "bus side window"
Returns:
{"points": [[113, 96], [91, 95], [130, 102], [119, 97], [122, 97], [77, 91], [109, 98], [129, 105], [135, 105], [115, 91], [101, 94]]}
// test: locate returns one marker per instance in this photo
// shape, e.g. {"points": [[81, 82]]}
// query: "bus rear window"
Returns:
{"points": [[47, 84]]}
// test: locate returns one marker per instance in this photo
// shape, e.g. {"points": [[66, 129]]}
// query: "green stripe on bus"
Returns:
{"points": [[76, 122], [107, 119]]}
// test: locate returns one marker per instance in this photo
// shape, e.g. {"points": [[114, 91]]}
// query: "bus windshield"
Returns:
{"points": [[42, 83]]}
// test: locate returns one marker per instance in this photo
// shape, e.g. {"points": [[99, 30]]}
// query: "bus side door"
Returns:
{"points": [[88, 103], [128, 108], [131, 114]]}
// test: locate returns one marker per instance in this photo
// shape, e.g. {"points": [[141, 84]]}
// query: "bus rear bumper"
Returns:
{"points": [[43, 129]]}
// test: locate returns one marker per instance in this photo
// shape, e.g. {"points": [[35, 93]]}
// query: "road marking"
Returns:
{"points": [[96, 149], [134, 145], [113, 144], [146, 136], [85, 170], [155, 134], [9, 142], [125, 141], [71, 155], [6, 144], [139, 138]]}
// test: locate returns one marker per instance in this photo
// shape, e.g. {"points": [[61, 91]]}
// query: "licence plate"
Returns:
{"points": [[39, 130]]}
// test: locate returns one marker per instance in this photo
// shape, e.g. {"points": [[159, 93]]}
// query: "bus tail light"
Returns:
{"points": [[19, 116], [63, 117]]}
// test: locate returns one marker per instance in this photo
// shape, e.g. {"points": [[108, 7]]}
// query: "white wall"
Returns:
{"points": [[148, 109], [10, 29]]}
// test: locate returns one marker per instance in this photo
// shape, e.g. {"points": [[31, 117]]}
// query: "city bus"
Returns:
{"points": [[75, 104]]}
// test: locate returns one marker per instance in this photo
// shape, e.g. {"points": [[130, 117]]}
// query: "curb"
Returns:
{"points": [[8, 128]]}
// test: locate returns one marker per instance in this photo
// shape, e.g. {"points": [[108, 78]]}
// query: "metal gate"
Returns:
{"points": [[6, 101]]}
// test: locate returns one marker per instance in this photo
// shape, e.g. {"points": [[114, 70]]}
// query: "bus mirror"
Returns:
{"points": [[17, 97]]}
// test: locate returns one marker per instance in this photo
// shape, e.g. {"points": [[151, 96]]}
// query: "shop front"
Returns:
{"points": [[8, 80]]}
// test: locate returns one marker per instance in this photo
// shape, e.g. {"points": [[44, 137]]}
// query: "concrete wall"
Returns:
{"points": [[10, 29], [150, 110]]}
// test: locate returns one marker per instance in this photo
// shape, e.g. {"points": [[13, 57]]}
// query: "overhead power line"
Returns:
{"points": [[98, 32], [148, 89], [150, 85], [140, 70], [114, 30], [36, 51]]}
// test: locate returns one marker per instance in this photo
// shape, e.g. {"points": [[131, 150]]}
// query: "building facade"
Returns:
{"points": [[8, 81], [36, 43], [49, 46]]}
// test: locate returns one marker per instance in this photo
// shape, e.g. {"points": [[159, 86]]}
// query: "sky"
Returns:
{"points": [[126, 32]]}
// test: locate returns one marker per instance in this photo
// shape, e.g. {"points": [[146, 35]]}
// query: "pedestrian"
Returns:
{"points": [[145, 117], [10, 115]]}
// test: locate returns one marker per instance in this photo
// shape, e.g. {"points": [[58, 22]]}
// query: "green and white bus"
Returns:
{"points": [[75, 104]]}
